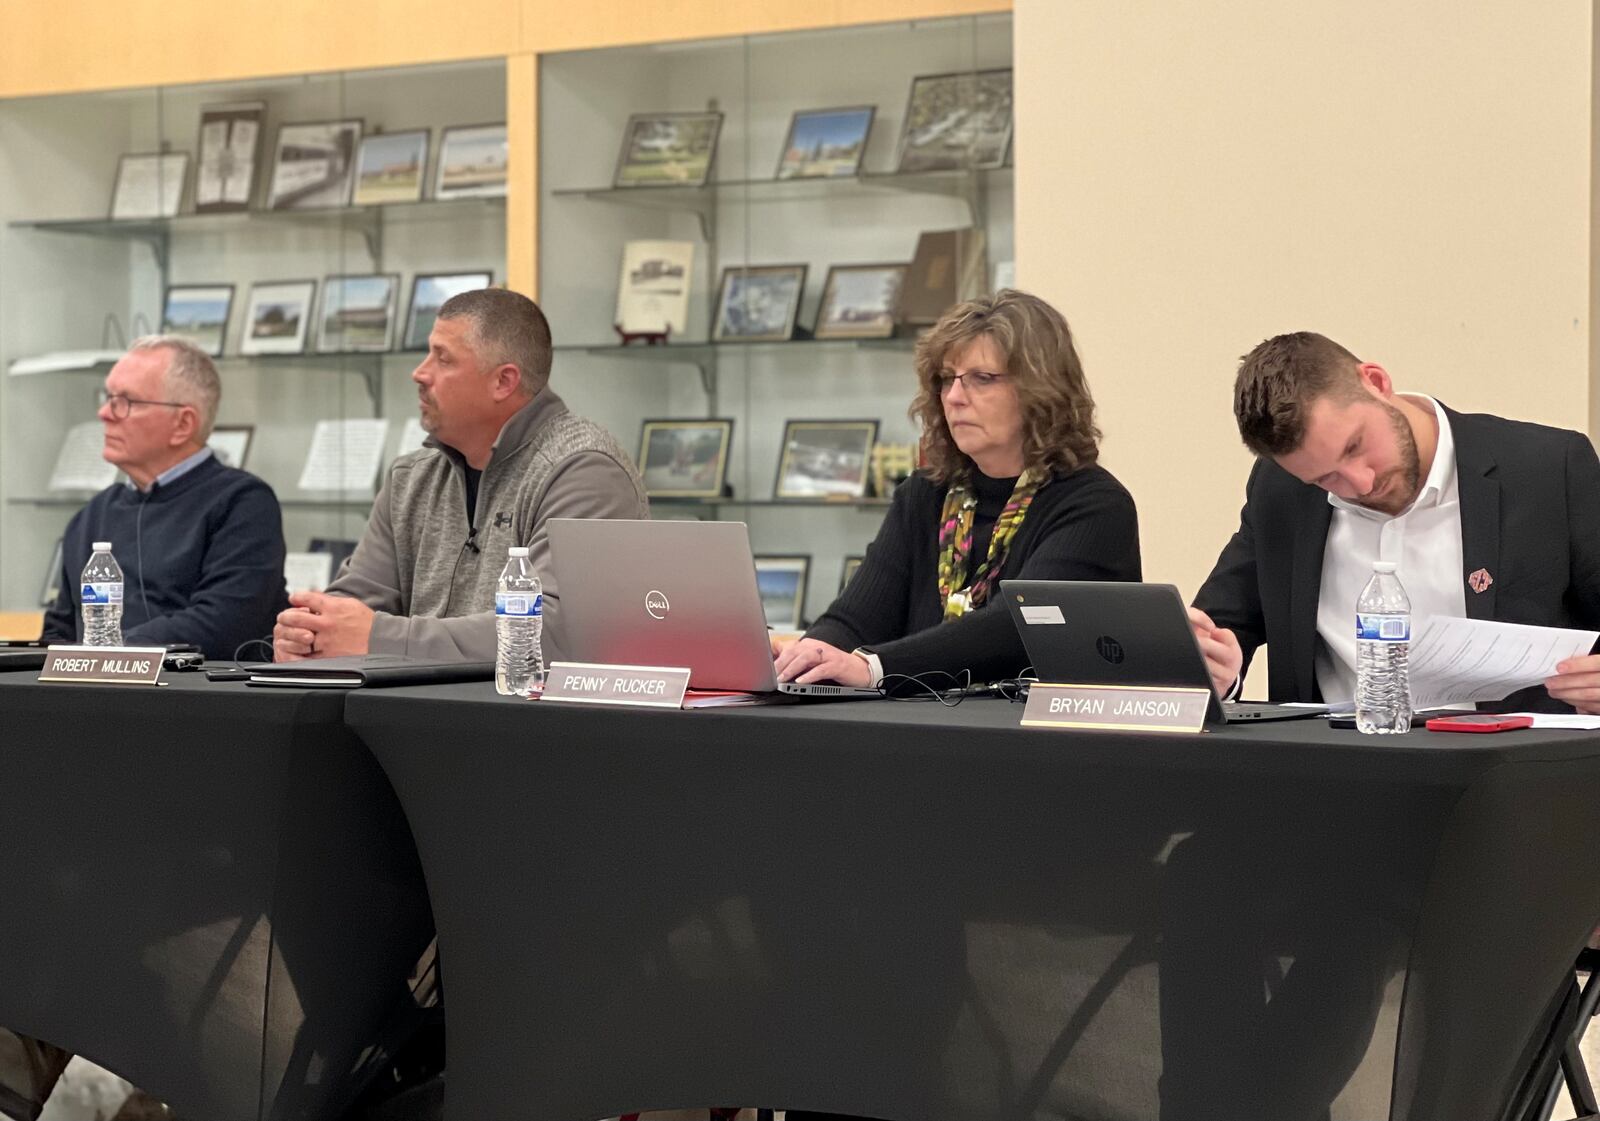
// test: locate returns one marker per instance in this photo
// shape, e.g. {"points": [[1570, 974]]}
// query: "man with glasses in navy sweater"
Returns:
{"points": [[200, 544]]}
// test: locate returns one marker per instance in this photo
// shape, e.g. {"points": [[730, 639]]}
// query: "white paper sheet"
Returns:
{"points": [[345, 454], [1572, 721], [307, 572], [79, 465], [1453, 660]]}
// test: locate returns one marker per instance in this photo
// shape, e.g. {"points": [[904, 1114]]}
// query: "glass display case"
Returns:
{"points": [[784, 200], [253, 280]]}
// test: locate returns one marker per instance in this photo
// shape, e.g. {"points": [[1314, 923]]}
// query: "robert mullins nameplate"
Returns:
{"points": [[104, 665]]}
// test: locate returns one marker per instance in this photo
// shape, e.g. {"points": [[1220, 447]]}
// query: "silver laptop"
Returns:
{"points": [[649, 593]]}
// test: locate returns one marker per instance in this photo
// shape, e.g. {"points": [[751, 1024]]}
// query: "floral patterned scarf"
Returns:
{"points": [[957, 592]]}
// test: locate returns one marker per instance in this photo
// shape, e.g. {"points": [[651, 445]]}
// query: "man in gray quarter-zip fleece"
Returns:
{"points": [[503, 456]]}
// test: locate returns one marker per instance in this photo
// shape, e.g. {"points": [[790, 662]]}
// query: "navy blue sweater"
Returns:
{"points": [[202, 561]]}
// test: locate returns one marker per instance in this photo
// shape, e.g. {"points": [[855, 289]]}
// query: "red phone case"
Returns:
{"points": [[1469, 724]]}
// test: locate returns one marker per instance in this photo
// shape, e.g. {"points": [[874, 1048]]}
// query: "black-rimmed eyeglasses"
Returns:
{"points": [[121, 404]]}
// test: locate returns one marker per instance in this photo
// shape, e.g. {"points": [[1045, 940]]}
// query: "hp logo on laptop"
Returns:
{"points": [[1109, 649], [656, 605]]}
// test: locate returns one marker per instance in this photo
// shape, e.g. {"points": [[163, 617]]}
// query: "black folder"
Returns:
{"points": [[370, 671]]}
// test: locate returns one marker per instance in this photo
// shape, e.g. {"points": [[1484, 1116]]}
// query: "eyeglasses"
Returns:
{"points": [[972, 380], [121, 404]]}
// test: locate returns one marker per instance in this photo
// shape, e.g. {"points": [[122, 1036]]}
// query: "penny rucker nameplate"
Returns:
{"points": [[104, 665], [590, 683], [1119, 708]]}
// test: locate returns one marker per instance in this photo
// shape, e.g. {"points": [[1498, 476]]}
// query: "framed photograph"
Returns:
{"points": [[474, 162], [782, 584], [429, 291], [860, 301], [758, 303], [230, 443], [851, 563], [825, 458], [653, 291], [278, 317], [668, 150], [52, 578], [685, 458], [826, 143], [229, 146], [949, 266], [957, 121], [390, 167], [149, 185], [198, 312], [357, 313], [315, 165]]}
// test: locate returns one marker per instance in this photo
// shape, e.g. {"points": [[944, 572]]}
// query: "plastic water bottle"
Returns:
{"points": [[100, 593], [1383, 641], [519, 627]]}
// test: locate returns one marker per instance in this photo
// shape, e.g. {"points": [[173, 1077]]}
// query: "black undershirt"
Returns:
{"points": [[473, 477], [992, 495]]}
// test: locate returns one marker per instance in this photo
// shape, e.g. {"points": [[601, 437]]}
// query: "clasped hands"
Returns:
{"points": [[318, 625], [1577, 680]]}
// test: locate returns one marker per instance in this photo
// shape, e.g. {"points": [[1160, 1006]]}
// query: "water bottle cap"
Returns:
{"points": [[1384, 568], [102, 546], [519, 550]]}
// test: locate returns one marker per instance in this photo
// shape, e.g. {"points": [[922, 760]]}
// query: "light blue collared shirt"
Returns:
{"points": [[178, 470]]}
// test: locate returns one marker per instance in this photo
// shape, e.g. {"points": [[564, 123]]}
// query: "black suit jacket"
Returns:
{"points": [[1530, 517]]}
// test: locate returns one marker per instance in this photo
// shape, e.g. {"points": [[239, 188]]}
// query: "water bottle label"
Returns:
{"points": [[1383, 628], [93, 594], [518, 603]]}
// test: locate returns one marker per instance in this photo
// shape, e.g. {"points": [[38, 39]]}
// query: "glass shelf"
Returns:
{"points": [[361, 361], [145, 228], [702, 353], [955, 182], [369, 221], [700, 201]]}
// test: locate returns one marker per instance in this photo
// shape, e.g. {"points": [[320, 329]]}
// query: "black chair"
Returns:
{"points": [[1559, 1060]]}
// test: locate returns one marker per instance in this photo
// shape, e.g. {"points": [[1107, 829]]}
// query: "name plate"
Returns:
{"points": [[104, 665], [1125, 708], [591, 684]]}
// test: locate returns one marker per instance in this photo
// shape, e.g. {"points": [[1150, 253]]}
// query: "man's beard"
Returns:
{"points": [[1408, 476]]}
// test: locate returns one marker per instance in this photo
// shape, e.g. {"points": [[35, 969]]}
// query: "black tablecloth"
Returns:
{"points": [[908, 911], [209, 890]]}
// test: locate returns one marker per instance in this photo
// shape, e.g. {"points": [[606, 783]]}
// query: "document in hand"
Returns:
{"points": [[1454, 660], [369, 670]]}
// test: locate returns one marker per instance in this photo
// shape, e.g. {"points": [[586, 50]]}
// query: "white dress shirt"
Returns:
{"points": [[1423, 540]]}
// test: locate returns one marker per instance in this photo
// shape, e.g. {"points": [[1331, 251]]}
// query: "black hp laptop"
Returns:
{"points": [[1093, 633]]}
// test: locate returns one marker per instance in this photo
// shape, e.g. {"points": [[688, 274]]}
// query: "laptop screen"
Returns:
{"points": [[662, 593]]}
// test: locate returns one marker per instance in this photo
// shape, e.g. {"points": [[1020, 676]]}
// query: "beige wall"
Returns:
{"points": [[69, 45], [1411, 179]]}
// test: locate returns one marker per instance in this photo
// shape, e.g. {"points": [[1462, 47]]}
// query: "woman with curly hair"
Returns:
{"points": [[1011, 488]]}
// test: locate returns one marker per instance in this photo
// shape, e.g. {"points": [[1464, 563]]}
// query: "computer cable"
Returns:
{"points": [[949, 689]]}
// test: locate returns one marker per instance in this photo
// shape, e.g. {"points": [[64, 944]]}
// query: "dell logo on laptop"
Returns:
{"points": [[1109, 649], [656, 605]]}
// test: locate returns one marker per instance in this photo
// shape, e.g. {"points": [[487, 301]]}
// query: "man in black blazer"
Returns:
{"points": [[1487, 518], [1351, 472]]}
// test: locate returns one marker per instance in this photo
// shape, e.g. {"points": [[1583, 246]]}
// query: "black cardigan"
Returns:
{"points": [[1081, 526]]}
